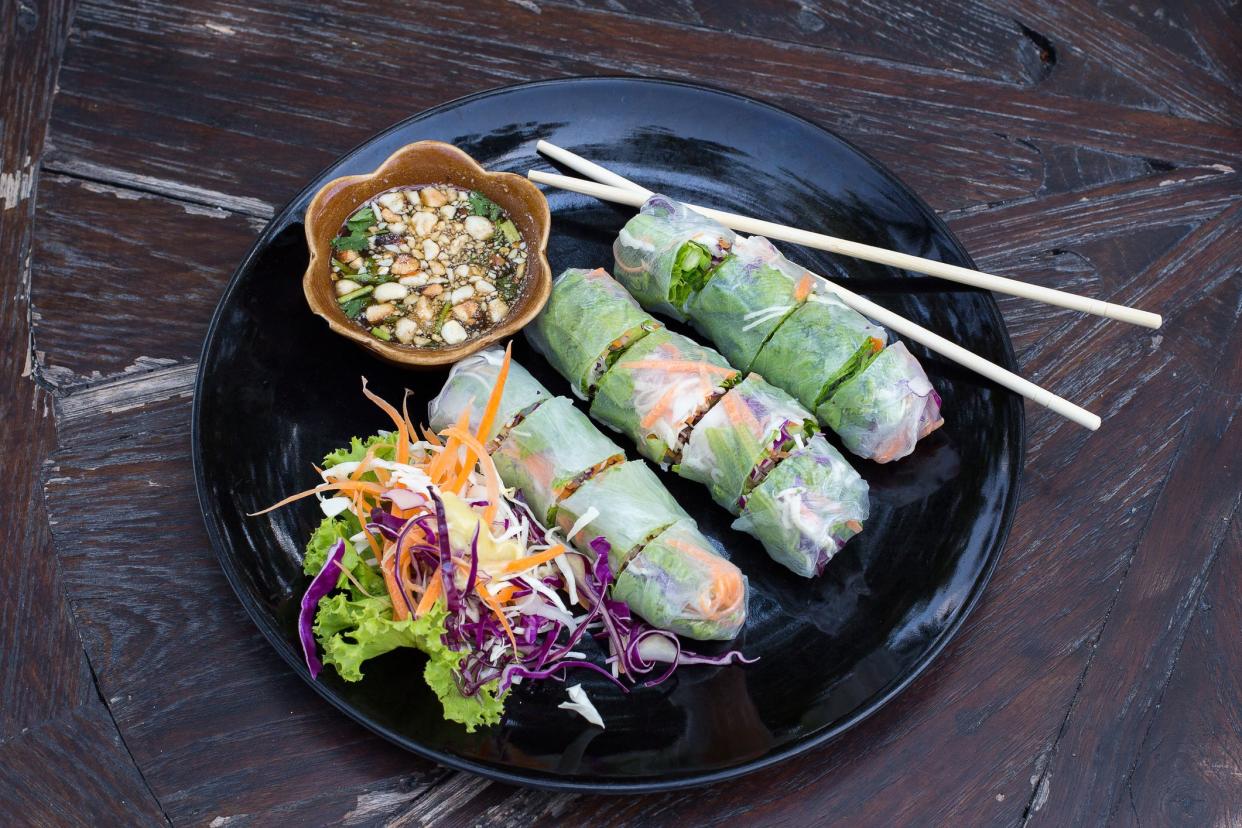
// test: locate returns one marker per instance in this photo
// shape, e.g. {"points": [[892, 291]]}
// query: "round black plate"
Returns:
{"points": [[276, 391]]}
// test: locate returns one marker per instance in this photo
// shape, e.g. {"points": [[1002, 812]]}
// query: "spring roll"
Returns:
{"points": [[469, 386], [739, 440], [807, 507], [658, 389], [681, 582], [550, 453], [627, 506], [884, 411], [747, 298], [820, 345], [588, 321], [665, 253]]}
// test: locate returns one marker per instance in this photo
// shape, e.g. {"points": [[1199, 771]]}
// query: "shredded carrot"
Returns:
{"points": [[493, 402], [400, 611], [497, 611], [739, 413], [344, 485], [476, 454], [678, 366], [430, 437], [532, 561], [505, 594], [804, 287], [434, 588], [403, 437], [877, 344], [662, 405], [405, 415]]}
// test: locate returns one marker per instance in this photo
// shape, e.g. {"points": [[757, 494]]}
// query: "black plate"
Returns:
{"points": [[276, 391]]}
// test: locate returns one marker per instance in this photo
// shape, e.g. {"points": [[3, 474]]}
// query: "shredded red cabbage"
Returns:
{"points": [[323, 583]]}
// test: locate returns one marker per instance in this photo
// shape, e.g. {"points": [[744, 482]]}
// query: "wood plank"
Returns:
{"points": [[959, 140], [73, 770], [1085, 28], [103, 247], [42, 670], [966, 37], [203, 703], [1131, 662], [1190, 765]]}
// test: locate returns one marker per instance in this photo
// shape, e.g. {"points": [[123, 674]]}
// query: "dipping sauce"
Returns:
{"points": [[428, 266]]}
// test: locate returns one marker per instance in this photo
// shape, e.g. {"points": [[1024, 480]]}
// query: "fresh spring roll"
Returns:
{"points": [[739, 440], [819, 346], [747, 297], [665, 253], [588, 321], [469, 386], [881, 413], [550, 453], [681, 582], [658, 389], [626, 505], [807, 507]]}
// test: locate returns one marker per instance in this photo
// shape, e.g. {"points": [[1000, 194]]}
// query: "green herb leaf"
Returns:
{"points": [[511, 232], [381, 333], [354, 241], [361, 220], [354, 307], [481, 205]]}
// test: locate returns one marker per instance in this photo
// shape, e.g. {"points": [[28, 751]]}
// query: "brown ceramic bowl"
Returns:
{"points": [[422, 163]]}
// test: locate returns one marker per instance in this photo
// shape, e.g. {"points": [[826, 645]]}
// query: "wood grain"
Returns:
{"points": [[73, 770], [156, 123], [1084, 145], [42, 671], [1190, 764]]}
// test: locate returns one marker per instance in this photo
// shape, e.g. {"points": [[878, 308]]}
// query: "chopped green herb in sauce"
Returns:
{"points": [[428, 266]]}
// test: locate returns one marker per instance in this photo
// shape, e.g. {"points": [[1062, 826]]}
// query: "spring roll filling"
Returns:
{"points": [[693, 267], [857, 363], [513, 423], [615, 349], [573, 484]]}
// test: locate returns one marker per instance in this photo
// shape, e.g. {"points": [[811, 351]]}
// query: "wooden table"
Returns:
{"points": [[1091, 147]]}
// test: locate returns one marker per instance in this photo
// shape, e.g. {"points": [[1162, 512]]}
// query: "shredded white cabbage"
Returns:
{"points": [[333, 506], [581, 704], [589, 515]]}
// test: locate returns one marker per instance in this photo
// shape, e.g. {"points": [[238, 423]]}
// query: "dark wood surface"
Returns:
{"points": [[1091, 146]]}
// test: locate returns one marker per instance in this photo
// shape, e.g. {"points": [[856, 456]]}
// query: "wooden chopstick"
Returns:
{"points": [[634, 195], [870, 253]]}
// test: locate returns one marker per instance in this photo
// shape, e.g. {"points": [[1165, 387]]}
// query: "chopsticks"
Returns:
{"points": [[623, 191], [856, 250]]}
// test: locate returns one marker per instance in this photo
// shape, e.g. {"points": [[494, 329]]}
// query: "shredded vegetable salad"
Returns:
{"points": [[422, 545]]}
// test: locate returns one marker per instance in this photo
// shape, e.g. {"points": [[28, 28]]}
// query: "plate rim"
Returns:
{"points": [[535, 779]]}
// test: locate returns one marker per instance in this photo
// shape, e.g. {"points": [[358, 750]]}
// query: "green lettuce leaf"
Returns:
{"points": [[358, 449], [352, 631]]}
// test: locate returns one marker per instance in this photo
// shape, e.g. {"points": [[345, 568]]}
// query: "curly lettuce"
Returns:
{"points": [[352, 631]]}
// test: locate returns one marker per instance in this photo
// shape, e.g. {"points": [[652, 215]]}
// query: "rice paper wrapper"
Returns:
{"points": [[746, 299], [546, 454], [632, 507], [738, 436], [807, 507], [681, 582], [589, 319], [819, 345], [653, 262], [469, 387], [884, 411], [662, 382]]}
